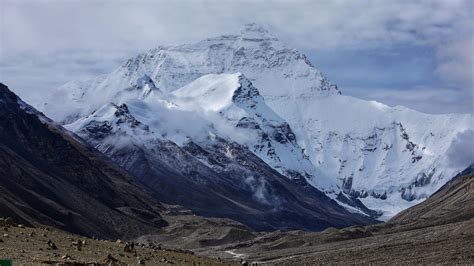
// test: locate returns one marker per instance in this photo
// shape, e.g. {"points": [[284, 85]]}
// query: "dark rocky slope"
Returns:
{"points": [[47, 176], [226, 180], [451, 203]]}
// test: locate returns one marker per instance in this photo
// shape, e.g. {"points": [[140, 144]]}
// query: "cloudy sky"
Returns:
{"points": [[413, 53]]}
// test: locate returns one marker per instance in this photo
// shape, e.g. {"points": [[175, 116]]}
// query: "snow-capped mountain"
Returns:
{"points": [[252, 89], [213, 175], [235, 98]]}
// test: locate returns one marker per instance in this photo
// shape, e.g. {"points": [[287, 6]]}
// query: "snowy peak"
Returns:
{"points": [[246, 93], [255, 32], [213, 92], [108, 121], [217, 92], [234, 98], [123, 115], [278, 71]]}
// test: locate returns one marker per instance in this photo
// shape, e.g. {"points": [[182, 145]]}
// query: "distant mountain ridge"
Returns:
{"points": [[356, 151]]}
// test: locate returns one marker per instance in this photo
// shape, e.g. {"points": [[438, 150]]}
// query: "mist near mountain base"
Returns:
{"points": [[461, 151]]}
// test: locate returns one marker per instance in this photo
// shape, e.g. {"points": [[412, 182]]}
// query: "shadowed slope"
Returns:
{"points": [[451, 203], [47, 176]]}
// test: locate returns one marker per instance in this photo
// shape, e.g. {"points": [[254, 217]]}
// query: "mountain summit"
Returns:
{"points": [[263, 59], [358, 152], [255, 32]]}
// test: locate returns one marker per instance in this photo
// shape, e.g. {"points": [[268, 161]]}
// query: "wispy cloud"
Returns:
{"points": [[315, 24], [461, 151], [456, 63]]}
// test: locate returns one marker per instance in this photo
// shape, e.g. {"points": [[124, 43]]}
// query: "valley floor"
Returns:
{"points": [[30, 246], [443, 244], [450, 243], [439, 230]]}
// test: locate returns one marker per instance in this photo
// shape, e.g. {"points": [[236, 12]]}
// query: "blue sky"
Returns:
{"points": [[413, 53], [393, 76], [396, 68]]}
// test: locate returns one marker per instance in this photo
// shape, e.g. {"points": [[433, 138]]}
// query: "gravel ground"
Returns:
{"points": [[25, 245]]}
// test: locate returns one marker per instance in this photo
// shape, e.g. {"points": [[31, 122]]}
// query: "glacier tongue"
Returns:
{"points": [[287, 112]]}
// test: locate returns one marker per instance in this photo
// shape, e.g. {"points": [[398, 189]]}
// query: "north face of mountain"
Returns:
{"points": [[389, 158], [48, 176]]}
